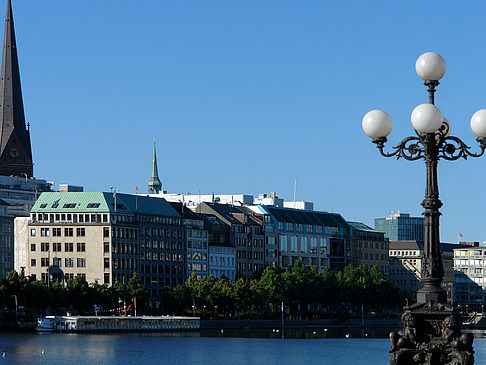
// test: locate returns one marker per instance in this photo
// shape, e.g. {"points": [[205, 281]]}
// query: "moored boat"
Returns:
{"points": [[116, 324]]}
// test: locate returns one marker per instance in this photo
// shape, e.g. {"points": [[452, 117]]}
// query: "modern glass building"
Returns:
{"points": [[401, 227]]}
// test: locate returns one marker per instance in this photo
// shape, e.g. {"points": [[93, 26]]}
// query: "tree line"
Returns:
{"points": [[304, 292]]}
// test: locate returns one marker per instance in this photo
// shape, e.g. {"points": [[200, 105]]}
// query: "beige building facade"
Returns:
{"points": [[104, 237]]}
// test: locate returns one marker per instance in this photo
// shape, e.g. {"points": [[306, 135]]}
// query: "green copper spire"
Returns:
{"points": [[154, 185]]}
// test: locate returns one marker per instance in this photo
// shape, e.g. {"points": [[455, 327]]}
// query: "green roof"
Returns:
{"points": [[98, 202]]}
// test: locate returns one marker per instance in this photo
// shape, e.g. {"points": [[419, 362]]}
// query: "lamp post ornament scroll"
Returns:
{"points": [[431, 331]]}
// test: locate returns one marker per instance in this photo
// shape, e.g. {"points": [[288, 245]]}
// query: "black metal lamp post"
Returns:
{"points": [[431, 333]]}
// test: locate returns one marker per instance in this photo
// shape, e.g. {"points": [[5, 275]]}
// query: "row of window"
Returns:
{"points": [[241, 241], [167, 257], [222, 261], [257, 255], [57, 247], [68, 262], [162, 245], [316, 245], [69, 218], [57, 232]]}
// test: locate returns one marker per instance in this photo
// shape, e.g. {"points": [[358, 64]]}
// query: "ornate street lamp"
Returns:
{"points": [[431, 333]]}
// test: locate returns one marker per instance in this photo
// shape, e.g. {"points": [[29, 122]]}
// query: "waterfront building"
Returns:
{"points": [[222, 252], [222, 261], [106, 237], [6, 240], [370, 247], [319, 239], [245, 234], [406, 263], [401, 227], [470, 276], [197, 244]]}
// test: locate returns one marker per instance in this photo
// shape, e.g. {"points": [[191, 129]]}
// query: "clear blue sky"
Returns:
{"points": [[247, 96]]}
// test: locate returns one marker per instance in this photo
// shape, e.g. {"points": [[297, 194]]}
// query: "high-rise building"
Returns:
{"points": [[401, 227]]}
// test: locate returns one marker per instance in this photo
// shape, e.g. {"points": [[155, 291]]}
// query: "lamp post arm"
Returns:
{"points": [[453, 148], [409, 148]]}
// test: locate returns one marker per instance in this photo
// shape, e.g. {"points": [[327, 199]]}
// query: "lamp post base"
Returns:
{"points": [[431, 335]]}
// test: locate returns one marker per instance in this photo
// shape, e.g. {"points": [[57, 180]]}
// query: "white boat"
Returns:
{"points": [[46, 324], [116, 324]]}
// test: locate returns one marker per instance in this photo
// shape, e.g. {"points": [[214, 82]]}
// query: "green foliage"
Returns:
{"points": [[305, 292]]}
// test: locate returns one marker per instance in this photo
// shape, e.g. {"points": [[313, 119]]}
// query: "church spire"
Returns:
{"points": [[154, 185], [15, 148]]}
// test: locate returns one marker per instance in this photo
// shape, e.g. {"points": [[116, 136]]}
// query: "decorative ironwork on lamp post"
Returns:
{"points": [[431, 333]]}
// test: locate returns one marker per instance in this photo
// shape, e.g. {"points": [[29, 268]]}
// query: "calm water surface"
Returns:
{"points": [[20, 349]]}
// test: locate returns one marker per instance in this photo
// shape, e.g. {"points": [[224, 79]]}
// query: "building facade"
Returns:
{"points": [[6, 240], [319, 239], [401, 227], [370, 247], [106, 237], [470, 276], [244, 233], [197, 245], [406, 264]]}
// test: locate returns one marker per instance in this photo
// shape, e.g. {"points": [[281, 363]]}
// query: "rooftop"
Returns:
{"points": [[99, 202]]}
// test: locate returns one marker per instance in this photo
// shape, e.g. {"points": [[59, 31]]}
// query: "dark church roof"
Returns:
{"points": [[15, 148]]}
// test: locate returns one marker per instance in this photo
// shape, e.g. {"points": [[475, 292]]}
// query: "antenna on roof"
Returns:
{"points": [[295, 190]]}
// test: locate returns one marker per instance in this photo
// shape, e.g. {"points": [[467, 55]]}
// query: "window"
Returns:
{"points": [[32, 232], [106, 247], [80, 247], [32, 246], [33, 262], [69, 262], [69, 247], [293, 243], [107, 263], [56, 262], [44, 246], [80, 232], [56, 247], [93, 205], [323, 245], [68, 232], [303, 244], [69, 205], [283, 243], [313, 245], [44, 232], [106, 278], [106, 232], [56, 232], [44, 262], [81, 262]]}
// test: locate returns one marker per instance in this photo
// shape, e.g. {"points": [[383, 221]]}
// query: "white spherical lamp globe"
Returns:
{"points": [[478, 123], [377, 123], [430, 66], [426, 118]]}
